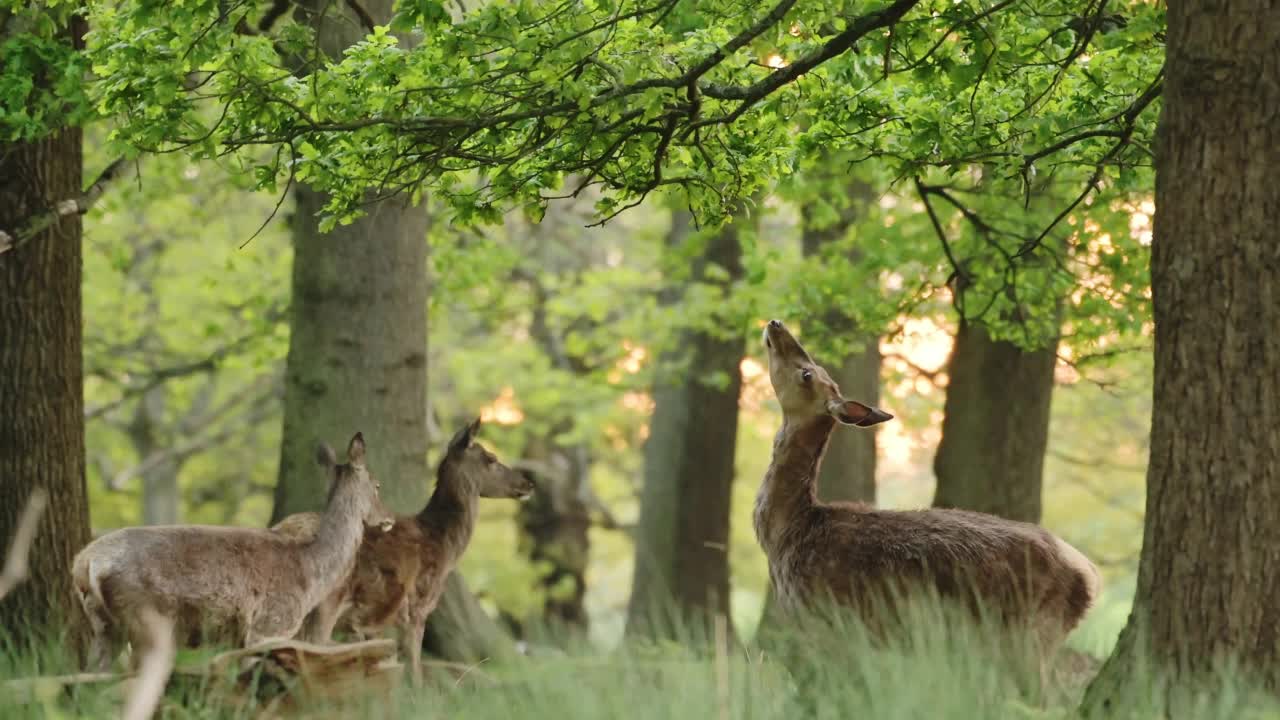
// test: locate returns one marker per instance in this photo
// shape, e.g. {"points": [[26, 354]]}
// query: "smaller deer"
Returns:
{"points": [[249, 584], [864, 558], [400, 575]]}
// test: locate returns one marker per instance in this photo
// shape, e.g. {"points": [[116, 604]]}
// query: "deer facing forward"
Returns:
{"points": [[247, 584], [400, 575], [862, 558]]}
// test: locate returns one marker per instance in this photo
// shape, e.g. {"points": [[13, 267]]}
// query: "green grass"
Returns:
{"points": [[938, 669]]}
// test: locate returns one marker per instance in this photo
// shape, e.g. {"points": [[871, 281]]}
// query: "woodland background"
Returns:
{"points": [[234, 229]]}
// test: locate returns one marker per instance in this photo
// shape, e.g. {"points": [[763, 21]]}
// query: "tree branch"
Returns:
{"points": [[38, 223]]}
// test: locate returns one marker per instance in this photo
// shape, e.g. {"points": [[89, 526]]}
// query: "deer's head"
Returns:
{"points": [[354, 471], [804, 388], [469, 460]]}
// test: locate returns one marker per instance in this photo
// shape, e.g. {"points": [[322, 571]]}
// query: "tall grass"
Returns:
{"points": [[938, 668]]}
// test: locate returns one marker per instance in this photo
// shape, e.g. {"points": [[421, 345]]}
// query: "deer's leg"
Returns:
{"points": [[102, 643], [410, 641], [323, 619]]}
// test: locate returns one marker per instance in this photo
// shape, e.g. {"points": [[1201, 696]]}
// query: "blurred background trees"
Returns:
{"points": [[953, 208]]}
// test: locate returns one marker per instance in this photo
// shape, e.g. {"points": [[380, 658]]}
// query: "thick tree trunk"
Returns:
{"points": [[357, 352], [996, 426], [357, 347], [681, 561], [41, 376], [1209, 575]]}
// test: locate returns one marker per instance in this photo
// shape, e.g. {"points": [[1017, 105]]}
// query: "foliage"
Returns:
{"points": [[185, 329], [41, 69], [716, 97]]}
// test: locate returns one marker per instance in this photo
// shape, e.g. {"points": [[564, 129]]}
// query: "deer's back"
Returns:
{"points": [[198, 574], [862, 558]]}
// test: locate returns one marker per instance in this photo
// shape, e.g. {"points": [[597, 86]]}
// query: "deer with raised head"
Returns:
{"points": [[400, 575], [246, 584], [862, 558]]}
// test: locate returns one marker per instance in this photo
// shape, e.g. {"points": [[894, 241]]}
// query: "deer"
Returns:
{"points": [[249, 585], [862, 558], [400, 575]]}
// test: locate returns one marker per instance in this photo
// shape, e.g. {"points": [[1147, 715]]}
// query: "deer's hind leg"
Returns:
{"points": [[104, 639]]}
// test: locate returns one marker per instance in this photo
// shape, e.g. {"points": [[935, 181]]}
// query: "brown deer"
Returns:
{"points": [[400, 575], [246, 584], [863, 558]]}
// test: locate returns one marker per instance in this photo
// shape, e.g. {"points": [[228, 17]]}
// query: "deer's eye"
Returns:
{"points": [[806, 375]]}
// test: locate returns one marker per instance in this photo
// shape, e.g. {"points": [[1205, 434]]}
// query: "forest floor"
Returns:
{"points": [[940, 671]]}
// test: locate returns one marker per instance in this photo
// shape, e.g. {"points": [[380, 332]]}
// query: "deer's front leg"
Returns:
{"points": [[410, 646]]}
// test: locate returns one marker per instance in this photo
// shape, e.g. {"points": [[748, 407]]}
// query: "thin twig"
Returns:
{"points": [[155, 668], [16, 567]]}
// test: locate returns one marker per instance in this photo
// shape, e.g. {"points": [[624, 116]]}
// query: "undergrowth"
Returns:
{"points": [[938, 669]]}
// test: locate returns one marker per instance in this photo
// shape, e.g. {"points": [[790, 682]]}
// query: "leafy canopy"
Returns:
{"points": [[502, 104]]}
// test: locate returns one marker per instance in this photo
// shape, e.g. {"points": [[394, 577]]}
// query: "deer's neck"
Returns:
{"points": [[450, 514], [330, 557], [789, 489]]}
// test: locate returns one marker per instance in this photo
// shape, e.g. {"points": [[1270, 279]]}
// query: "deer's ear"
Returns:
{"points": [[325, 455], [464, 437], [355, 451], [852, 412]]}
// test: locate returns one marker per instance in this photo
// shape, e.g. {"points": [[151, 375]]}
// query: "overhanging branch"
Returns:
{"points": [[33, 225]]}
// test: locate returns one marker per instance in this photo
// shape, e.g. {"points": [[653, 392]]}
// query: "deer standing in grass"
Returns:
{"points": [[249, 584], [400, 575], [862, 558]]}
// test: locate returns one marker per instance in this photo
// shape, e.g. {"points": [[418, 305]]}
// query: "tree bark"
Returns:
{"points": [[357, 352], [556, 522], [1209, 575], [995, 427], [681, 563], [41, 376], [357, 346]]}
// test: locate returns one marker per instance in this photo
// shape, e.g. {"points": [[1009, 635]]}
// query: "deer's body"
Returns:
{"points": [[867, 559], [400, 575], [245, 585]]}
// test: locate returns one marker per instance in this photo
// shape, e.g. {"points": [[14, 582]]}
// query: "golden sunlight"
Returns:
{"points": [[629, 364], [922, 343], [756, 389], [503, 410], [776, 61]]}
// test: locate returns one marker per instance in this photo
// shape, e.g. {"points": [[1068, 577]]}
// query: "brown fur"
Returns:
{"points": [[239, 584], [868, 559], [400, 575]]}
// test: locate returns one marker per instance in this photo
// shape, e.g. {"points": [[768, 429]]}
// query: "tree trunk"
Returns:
{"points": [[460, 630], [41, 376], [555, 522], [996, 426], [159, 482], [681, 563], [357, 352], [1209, 574], [358, 343]]}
